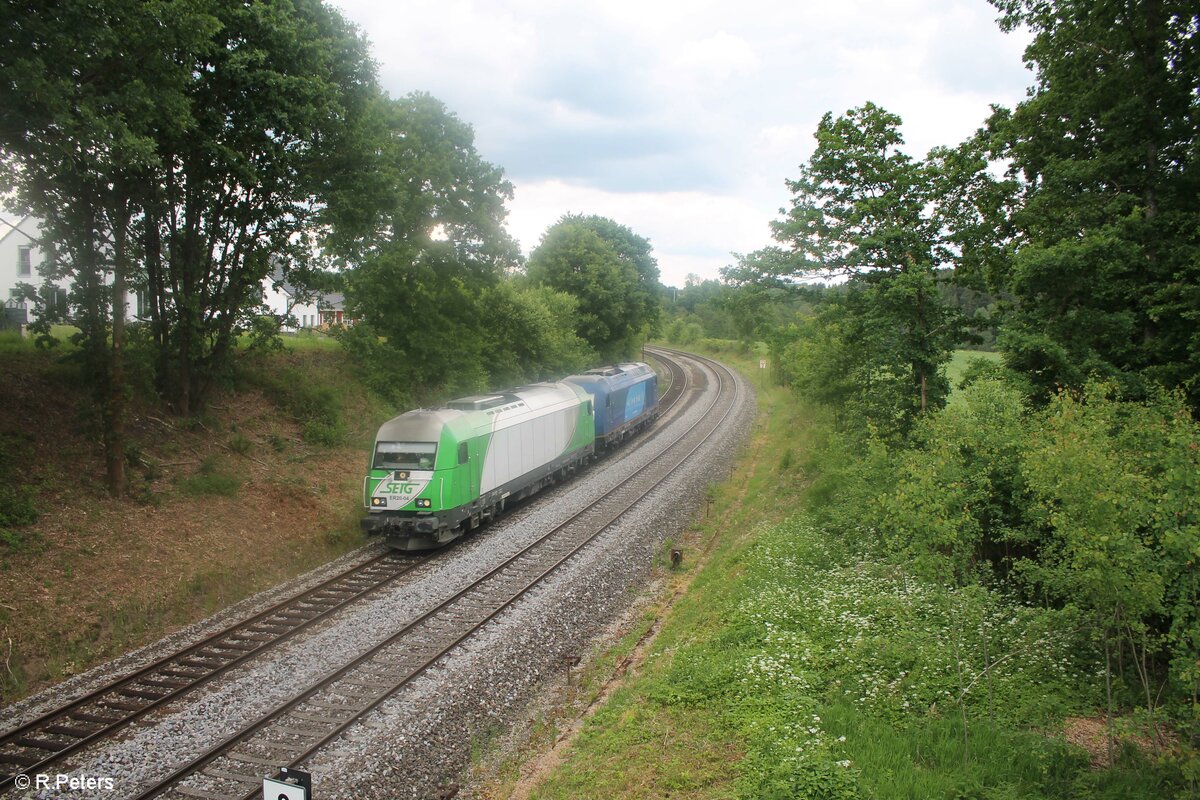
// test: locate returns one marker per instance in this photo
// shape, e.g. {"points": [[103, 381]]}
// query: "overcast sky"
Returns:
{"points": [[681, 120]]}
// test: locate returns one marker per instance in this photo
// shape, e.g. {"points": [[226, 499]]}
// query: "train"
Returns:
{"points": [[437, 474]]}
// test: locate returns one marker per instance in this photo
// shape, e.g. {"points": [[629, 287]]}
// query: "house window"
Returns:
{"points": [[25, 260]]}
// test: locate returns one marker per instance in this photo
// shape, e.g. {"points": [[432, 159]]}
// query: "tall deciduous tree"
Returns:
{"points": [[186, 148], [276, 104], [85, 93], [1105, 259], [611, 271], [437, 246], [861, 209]]}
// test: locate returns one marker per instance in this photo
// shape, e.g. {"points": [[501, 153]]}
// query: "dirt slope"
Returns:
{"points": [[219, 507]]}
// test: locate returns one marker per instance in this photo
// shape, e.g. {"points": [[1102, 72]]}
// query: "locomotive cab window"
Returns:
{"points": [[462, 453], [404, 455]]}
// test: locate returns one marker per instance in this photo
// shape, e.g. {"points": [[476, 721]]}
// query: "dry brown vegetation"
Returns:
{"points": [[219, 507]]}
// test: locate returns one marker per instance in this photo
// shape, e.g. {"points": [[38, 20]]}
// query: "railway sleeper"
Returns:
{"points": [[251, 759], [352, 710], [319, 718], [203, 794], [123, 706], [301, 733], [234, 644], [99, 719], [187, 674], [67, 730], [34, 743], [233, 776], [21, 759]]}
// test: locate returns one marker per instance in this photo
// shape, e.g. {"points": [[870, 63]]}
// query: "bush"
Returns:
{"points": [[322, 433], [316, 408], [240, 444], [17, 506]]}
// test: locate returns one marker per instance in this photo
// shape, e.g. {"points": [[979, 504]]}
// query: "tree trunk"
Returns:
{"points": [[114, 414]]}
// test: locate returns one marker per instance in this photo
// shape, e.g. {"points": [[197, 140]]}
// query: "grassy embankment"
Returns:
{"points": [[263, 486], [795, 664]]}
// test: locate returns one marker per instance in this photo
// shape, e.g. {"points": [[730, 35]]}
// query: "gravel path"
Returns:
{"points": [[418, 740]]}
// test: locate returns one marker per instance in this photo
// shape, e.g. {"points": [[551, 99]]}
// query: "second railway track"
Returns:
{"points": [[293, 732], [322, 712]]}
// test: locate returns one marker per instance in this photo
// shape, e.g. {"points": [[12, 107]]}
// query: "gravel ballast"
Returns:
{"points": [[420, 739]]}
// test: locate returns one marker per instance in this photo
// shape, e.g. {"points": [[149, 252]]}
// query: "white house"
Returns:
{"points": [[307, 309], [20, 258]]}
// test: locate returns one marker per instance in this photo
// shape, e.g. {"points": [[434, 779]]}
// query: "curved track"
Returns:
{"points": [[294, 731], [40, 743]]}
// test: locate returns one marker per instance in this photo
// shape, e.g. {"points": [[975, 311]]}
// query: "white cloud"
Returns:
{"points": [[689, 231], [682, 119]]}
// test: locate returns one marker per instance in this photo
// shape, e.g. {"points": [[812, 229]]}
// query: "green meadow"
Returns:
{"points": [[799, 664]]}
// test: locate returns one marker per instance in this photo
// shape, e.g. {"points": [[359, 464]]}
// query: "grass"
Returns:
{"points": [[960, 360], [308, 339], [795, 666], [12, 341], [211, 480]]}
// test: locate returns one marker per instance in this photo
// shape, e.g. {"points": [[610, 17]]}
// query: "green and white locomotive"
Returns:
{"points": [[437, 473]]}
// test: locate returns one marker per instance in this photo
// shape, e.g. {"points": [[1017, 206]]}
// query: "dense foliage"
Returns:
{"points": [[612, 274], [187, 150], [1099, 239], [1060, 486], [182, 153]]}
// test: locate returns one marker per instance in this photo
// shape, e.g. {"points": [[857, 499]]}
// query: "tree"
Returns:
{"points": [[182, 147], [1105, 257], [437, 246], [631, 249], [861, 209], [276, 106], [86, 91], [530, 333], [610, 271]]}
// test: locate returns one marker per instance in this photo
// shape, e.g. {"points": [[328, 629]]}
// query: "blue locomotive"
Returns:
{"points": [[437, 473], [626, 399]]}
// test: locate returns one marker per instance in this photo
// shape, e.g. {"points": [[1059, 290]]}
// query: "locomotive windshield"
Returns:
{"points": [[404, 455]]}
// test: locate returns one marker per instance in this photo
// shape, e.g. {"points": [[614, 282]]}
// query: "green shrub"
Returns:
{"points": [[324, 434], [18, 506], [316, 408]]}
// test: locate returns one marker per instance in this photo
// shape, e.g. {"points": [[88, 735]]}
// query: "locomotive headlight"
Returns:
{"points": [[424, 503], [378, 502]]}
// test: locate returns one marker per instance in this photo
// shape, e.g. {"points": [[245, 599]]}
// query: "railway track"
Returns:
{"points": [[355, 688], [297, 729], [45, 741]]}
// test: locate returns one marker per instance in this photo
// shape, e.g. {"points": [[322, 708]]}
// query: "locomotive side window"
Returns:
{"points": [[462, 453], [404, 455]]}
